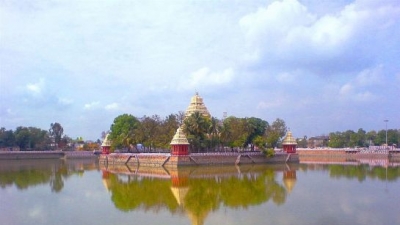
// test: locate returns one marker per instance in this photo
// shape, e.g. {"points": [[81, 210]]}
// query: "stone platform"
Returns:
{"points": [[195, 159]]}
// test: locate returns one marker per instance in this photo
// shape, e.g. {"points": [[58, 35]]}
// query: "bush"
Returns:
{"points": [[268, 152]]}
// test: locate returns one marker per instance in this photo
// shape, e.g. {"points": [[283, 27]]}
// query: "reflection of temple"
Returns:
{"points": [[289, 179], [106, 179], [197, 105], [180, 188], [196, 191]]}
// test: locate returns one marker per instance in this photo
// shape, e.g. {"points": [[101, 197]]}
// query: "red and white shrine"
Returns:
{"points": [[289, 143], [179, 143], [106, 145]]}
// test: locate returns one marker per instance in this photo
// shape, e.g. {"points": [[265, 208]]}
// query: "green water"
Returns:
{"points": [[84, 192]]}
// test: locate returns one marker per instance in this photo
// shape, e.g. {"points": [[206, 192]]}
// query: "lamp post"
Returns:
{"points": [[386, 121]]}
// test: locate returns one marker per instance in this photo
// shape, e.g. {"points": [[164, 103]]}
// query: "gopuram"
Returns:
{"points": [[181, 156]]}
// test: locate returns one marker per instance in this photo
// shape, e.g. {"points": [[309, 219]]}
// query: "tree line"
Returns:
{"points": [[203, 133], [151, 133], [32, 138], [361, 138], [352, 139]]}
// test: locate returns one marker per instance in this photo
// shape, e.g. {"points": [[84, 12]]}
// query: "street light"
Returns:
{"points": [[386, 121]]}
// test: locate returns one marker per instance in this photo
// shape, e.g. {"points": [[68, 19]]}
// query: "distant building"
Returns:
{"points": [[317, 142]]}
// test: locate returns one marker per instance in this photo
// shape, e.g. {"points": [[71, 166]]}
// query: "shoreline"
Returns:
{"points": [[329, 156], [24, 155]]}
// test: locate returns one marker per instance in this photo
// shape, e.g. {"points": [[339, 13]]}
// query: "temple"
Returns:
{"points": [[289, 143], [181, 156], [197, 105], [179, 143], [106, 145]]}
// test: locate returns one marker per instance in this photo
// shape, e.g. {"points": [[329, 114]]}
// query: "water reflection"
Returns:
{"points": [[331, 193], [359, 172], [197, 191], [24, 174]]}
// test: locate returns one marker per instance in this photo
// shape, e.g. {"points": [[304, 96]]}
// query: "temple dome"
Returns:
{"points": [[289, 139], [106, 141], [197, 105], [179, 138]]}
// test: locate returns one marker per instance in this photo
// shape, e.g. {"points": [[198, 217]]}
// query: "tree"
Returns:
{"points": [[213, 132], [56, 131], [147, 130], [255, 127], [167, 130], [122, 131], [336, 140], [302, 142], [275, 132], [233, 132], [362, 138], [7, 138], [39, 139], [195, 127], [371, 137], [22, 138]]}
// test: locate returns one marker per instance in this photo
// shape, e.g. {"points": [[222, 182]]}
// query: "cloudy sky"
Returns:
{"points": [[321, 66]]}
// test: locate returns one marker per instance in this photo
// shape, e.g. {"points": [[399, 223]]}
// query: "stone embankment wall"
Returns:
{"points": [[332, 155], [164, 159], [46, 154], [31, 155], [79, 154]]}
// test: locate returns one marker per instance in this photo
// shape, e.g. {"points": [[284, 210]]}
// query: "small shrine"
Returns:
{"points": [[106, 145], [179, 143], [289, 143], [197, 105]]}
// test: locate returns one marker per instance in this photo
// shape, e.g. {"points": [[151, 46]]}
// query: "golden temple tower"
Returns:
{"points": [[179, 143], [289, 143], [197, 105], [106, 145]]}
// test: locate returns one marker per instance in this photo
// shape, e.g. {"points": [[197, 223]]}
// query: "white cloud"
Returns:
{"points": [[65, 101], [204, 77], [36, 89], [362, 87], [112, 106], [285, 32], [346, 89], [315, 56], [370, 76], [272, 103], [365, 86], [92, 105], [267, 24]]}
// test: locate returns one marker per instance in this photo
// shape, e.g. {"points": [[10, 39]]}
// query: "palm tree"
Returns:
{"points": [[213, 132], [195, 127]]}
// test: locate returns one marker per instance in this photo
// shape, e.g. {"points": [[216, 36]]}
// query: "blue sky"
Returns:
{"points": [[321, 66]]}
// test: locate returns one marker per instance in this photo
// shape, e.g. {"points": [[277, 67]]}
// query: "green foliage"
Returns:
{"points": [[56, 132], [7, 138], [31, 138], [275, 133], [362, 138], [122, 131], [196, 128], [269, 152], [201, 195]]}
